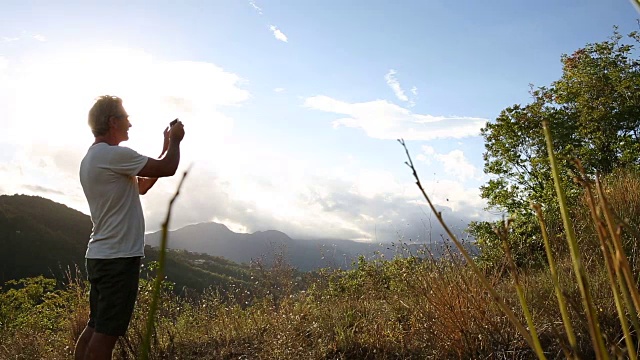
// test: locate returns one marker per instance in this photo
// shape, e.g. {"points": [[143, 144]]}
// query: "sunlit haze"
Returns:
{"points": [[291, 108]]}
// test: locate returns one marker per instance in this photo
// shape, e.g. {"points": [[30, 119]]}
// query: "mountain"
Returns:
{"points": [[305, 255], [41, 237]]}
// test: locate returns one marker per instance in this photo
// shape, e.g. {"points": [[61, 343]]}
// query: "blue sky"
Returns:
{"points": [[291, 108]]}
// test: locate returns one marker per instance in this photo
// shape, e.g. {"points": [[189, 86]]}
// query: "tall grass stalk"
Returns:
{"points": [[621, 260], [581, 276], [155, 298], [622, 269], [609, 258], [553, 269], [502, 233], [505, 309]]}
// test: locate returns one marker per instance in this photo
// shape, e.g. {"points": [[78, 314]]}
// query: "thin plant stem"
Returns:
{"points": [[622, 263], [155, 299], [502, 233], [614, 276], [581, 276], [622, 269], [562, 304], [505, 309]]}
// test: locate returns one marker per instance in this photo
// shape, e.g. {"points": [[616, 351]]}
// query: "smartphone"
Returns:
{"points": [[173, 122]]}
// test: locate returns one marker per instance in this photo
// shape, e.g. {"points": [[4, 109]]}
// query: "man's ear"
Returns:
{"points": [[113, 122]]}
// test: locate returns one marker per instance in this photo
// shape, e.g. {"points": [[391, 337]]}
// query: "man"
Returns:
{"points": [[112, 178]]}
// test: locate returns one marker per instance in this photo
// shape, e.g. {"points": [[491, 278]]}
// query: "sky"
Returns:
{"points": [[292, 108]]}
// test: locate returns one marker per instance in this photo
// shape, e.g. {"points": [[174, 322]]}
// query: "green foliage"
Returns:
{"points": [[524, 240], [594, 115], [198, 271], [599, 93], [38, 315], [20, 297]]}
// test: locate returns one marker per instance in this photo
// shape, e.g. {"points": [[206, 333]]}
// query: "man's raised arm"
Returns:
{"points": [[167, 165]]}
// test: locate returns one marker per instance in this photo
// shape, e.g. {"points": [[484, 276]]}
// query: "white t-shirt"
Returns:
{"points": [[108, 178]]}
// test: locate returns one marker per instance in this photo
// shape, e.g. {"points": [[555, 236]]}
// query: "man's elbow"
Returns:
{"points": [[171, 170], [168, 172], [164, 171]]}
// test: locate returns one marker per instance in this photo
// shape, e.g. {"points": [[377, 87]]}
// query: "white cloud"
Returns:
{"points": [[395, 85], [154, 92], [455, 163], [383, 120], [44, 171], [255, 7], [46, 137], [38, 37], [4, 64], [429, 150], [308, 203], [462, 201], [232, 225], [278, 34], [278, 90]]}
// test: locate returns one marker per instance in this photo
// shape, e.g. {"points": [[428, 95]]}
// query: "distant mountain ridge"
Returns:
{"points": [[42, 237], [305, 255]]}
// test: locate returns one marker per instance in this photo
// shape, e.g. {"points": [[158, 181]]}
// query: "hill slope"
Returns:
{"points": [[41, 237]]}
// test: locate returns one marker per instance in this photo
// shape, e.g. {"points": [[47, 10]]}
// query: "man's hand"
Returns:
{"points": [[167, 164], [177, 132]]}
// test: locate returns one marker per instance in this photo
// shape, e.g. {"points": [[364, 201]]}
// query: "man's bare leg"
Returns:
{"points": [[83, 343], [100, 347]]}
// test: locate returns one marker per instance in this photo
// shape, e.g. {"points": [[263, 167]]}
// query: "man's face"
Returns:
{"points": [[121, 125]]}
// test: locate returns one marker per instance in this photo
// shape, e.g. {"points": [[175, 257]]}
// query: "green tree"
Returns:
{"points": [[594, 113]]}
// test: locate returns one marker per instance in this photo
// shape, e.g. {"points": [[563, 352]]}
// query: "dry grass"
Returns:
{"points": [[404, 308], [399, 309]]}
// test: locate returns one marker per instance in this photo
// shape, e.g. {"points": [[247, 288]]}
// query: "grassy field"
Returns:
{"points": [[412, 307]]}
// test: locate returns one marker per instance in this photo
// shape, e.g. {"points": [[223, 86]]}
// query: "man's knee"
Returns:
{"points": [[100, 347], [82, 343]]}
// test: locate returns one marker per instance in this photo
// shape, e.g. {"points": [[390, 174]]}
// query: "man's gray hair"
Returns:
{"points": [[105, 107]]}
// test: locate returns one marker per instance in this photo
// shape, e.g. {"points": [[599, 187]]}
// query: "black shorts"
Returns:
{"points": [[114, 288]]}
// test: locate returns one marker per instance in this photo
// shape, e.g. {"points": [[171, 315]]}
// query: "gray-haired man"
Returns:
{"points": [[113, 177]]}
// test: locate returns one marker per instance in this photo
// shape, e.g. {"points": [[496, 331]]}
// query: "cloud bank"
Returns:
{"points": [[381, 119]]}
